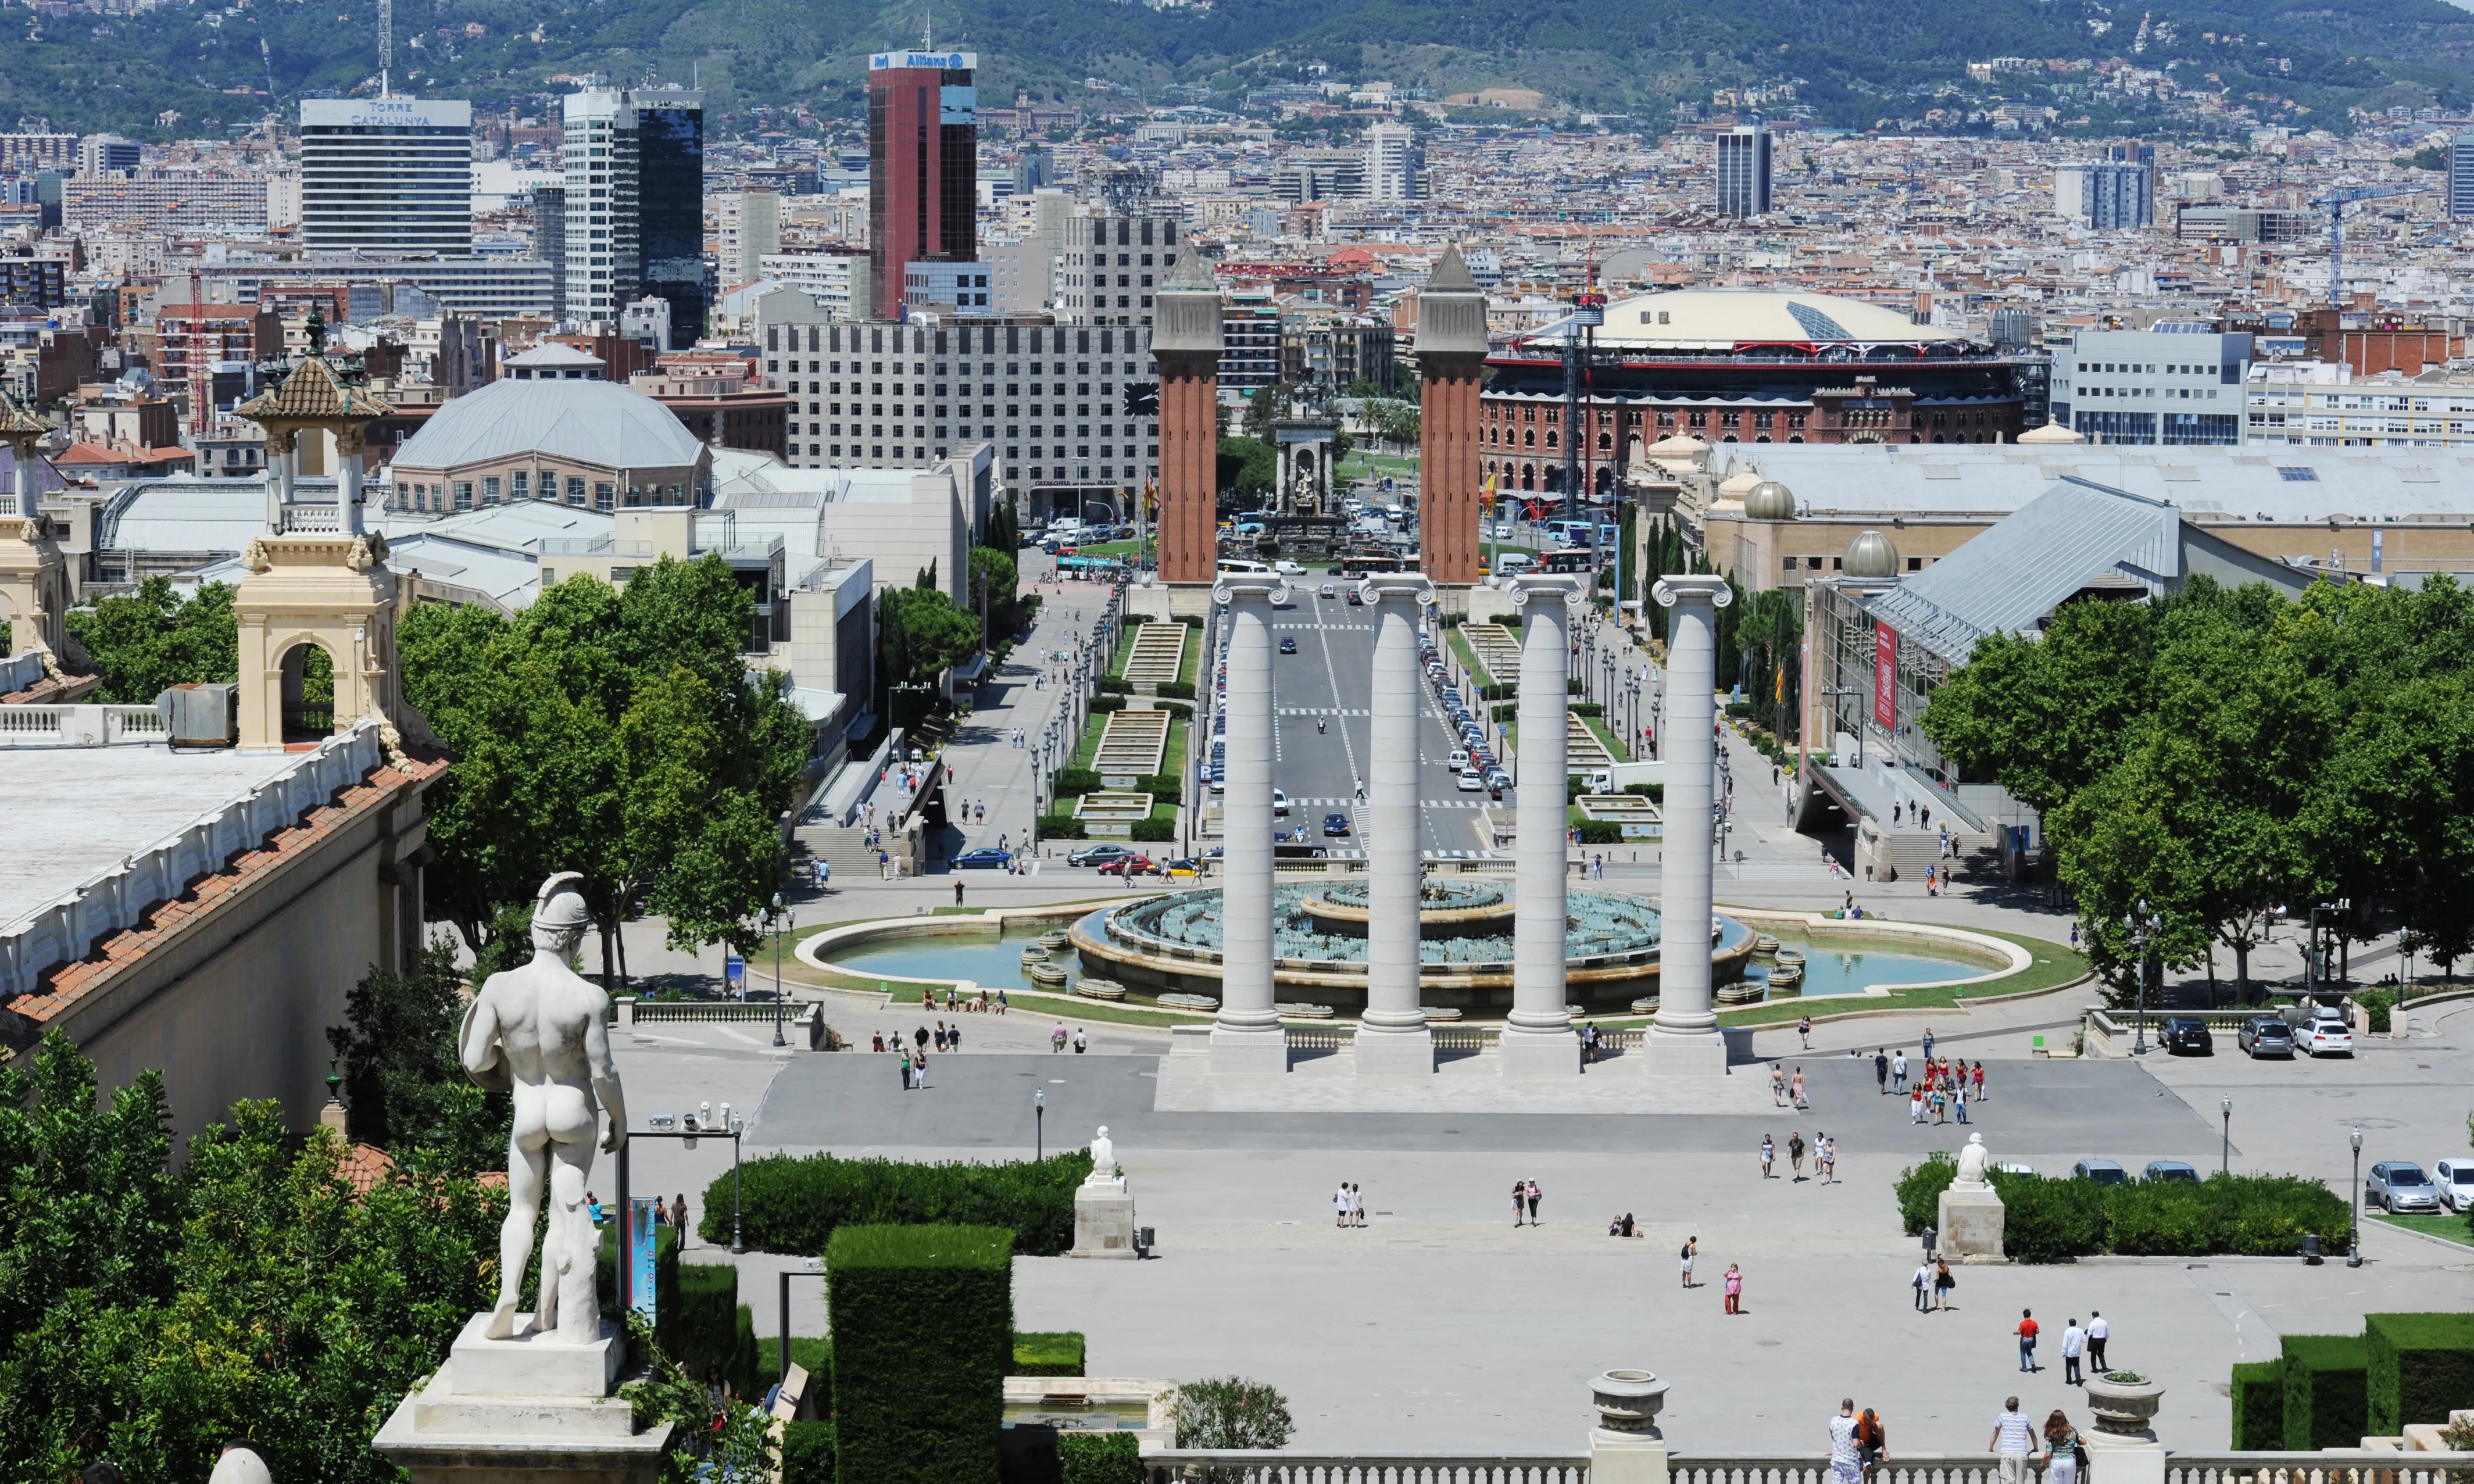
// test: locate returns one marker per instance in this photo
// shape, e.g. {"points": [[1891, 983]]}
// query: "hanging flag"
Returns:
{"points": [[1782, 685]]}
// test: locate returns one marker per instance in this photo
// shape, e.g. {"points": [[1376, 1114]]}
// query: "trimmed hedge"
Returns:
{"points": [[1101, 704], [1173, 706], [1588, 708], [2054, 1220], [1152, 832], [710, 1328], [2259, 1406], [795, 1204], [808, 1453], [1099, 1458], [2326, 1399], [1048, 1352], [923, 1330], [1601, 832], [2421, 1367], [1176, 690], [2376, 1005], [1499, 691], [1074, 781], [1918, 1190], [1161, 786], [1113, 685], [1062, 827]]}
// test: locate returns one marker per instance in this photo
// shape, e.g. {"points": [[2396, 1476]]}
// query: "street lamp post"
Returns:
{"points": [[778, 935], [2140, 933], [2354, 1238], [1039, 1125], [2225, 1158]]}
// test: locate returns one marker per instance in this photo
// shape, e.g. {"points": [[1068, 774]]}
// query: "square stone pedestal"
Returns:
{"points": [[2117, 1459], [1666, 1054], [1250, 1053], [1395, 1052], [1626, 1457], [533, 1406], [1539, 1055], [1104, 1219], [1971, 1225]]}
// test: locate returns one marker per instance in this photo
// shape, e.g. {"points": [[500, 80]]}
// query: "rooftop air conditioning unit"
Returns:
{"points": [[200, 715]]}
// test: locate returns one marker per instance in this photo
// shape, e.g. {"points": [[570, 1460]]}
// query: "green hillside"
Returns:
{"points": [[1854, 61]]}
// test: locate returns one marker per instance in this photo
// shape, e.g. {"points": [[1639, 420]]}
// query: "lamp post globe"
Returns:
{"points": [[2225, 1159], [1039, 1123], [2354, 1237]]}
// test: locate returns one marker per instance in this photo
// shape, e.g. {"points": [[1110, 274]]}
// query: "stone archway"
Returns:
{"points": [[307, 671], [328, 594]]}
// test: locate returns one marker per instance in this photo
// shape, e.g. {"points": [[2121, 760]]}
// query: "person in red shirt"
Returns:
{"points": [[2028, 1340]]}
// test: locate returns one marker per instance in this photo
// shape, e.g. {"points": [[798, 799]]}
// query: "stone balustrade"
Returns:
{"points": [[79, 725], [1192, 1466], [118, 898]]}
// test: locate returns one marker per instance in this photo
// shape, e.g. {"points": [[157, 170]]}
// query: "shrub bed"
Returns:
{"points": [[2050, 1220], [795, 1204], [1061, 827], [1076, 781], [1176, 690], [1161, 786], [923, 1330], [2420, 1368], [1918, 1190], [1601, 832], [808, 1453], [2326, 1403], [1113, 685], [1153, 832], [1097, 1458], [1048, 1352], [2259, 1406], [1103, 704]]}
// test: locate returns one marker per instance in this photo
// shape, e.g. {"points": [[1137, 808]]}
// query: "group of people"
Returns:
{"points": [[2079, 1344], [2015, 1437], [1944, 1089], [958, 1003], [1785, 1091], [1824, 1151], [674, 1214], [1057, 1039], [1525, 1196], [1349, 1206]]}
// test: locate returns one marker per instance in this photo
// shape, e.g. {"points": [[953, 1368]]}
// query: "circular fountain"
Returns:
{"points": [[1170, 945]]}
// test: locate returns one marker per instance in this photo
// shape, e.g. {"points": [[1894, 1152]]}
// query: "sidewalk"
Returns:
{"points": [[988, 769]]}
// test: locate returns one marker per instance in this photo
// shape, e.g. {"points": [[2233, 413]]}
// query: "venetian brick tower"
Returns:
{"points": [[1186, 341], [1451, 365]]}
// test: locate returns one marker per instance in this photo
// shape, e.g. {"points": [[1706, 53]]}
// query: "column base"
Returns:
{"points": [[1627, 1457], [1256, 1052], [2126, 1460], [1683, 1054], [1395, 1052], [1539, 1055]]}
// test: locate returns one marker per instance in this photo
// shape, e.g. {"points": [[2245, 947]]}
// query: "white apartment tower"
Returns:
{"points": [[750, 223], [633, 159], [386, 175], [1395, 164]]}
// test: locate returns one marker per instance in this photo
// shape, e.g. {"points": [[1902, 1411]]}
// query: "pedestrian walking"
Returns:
{"points": [[1535, 1194], [1057, 1039], [1778, 1084], [1804, 1031], [1340, 1206], [1081, 1040], [1944, 1280], [1916, 1103], [1795, 1156], [1872, 1442], [1356, 1205], [1796, 1090], [2073, 1346], [1846, 1456], [1734, 1282], [1958, 1101], [1899, 1071], [1881, 1070], [1927, 1043], [1691, 1250], [1828, 1160], [2065, 1452], [906, 1069], [2098, 1330], [1922, 1284], [2014, 1440], [1979, 1079], [1520, 1201], [679, 1216], [2028, 1327], [1769, 1155]]}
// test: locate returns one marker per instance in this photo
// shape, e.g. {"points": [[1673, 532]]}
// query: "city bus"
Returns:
{"points": [[1230, 566], [1367, 566], [1087, 565], [1570, 559]]}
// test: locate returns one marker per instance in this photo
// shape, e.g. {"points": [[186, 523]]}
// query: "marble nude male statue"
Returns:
{"points": [[537, 1032]]}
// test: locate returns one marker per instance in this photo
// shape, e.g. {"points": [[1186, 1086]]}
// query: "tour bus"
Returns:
{"points": [[1577, 532]]}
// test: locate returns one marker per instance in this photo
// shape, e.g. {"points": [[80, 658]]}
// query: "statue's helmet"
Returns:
{"points": [[560, 907]]}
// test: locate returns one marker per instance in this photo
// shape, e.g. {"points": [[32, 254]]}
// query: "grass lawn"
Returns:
{"points": [[1468, 658], [1597, 726], [1112, 549], [1362, 465], [2449, 1227], [2056, 965], [1189, 667]]}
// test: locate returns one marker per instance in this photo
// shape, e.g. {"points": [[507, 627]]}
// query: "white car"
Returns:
{"points": [[1503, 531], [2454, 1178], [2329, 1036], [1279, 803], [1288, 569], [1470, 782]]}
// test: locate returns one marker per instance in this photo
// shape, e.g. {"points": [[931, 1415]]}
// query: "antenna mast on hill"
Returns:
{"points": [[386, 46]]}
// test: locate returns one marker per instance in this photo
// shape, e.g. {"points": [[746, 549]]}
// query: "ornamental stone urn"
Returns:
{"points": [[2124, 1403], [1628, 1401]]}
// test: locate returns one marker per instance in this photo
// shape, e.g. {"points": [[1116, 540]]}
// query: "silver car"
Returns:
{"points": [[2400, 1185]]}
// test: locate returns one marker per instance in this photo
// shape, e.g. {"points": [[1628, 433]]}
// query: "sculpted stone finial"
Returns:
{"points": [[537, 1032]]}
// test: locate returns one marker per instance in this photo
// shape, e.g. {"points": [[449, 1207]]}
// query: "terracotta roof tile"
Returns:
{"points": [[364, 1166], [313, 393]]}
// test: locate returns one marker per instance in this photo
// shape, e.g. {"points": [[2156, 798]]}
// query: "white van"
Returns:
{"points": [[1513, 561], [1457, 759]]}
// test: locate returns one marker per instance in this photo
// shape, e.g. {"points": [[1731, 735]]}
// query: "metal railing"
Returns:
{"points": [[1208, 1466]]}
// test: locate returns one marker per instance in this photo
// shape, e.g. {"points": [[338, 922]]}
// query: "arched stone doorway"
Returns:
{"points": [[307, 687]]}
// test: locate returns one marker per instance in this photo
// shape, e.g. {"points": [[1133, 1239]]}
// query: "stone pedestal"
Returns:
{"points": [[1104, 1219], [1626, 1457], [1538, 1053], [524, 1408], [1971, 1225], [1691, 1054], [1625, 1447], [2124, 1458], [1395, 1052]]}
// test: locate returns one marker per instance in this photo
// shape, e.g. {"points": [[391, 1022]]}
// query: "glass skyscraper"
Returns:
{"points": [[633, 159]]}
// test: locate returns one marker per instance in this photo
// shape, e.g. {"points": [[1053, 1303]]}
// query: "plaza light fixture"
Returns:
{"points": [[2140, 931], [2354, 1238], [2225, 1160], [778, 933], [1040, 1124]]}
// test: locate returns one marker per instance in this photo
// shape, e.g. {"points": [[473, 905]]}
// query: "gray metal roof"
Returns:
{"points": [[2023, 567], [588, 421]]}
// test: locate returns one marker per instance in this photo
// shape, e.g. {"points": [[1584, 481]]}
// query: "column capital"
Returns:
{"points": [[1413, 585], [1691, 588], [1235, 587], [1538, 587]]}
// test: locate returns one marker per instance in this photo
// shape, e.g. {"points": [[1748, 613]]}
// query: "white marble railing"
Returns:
{"points": [[1195, 1466], [2333, 1467], [21, 672], [1211, 1465], [78, 727], [119, 896]]}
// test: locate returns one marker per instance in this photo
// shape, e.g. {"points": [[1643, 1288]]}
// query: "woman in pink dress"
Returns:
{"points": [[1734, 1288]]}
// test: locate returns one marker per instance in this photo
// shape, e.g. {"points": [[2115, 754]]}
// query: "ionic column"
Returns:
{"points": [[1391, 1036], [1684, 1034], [1537, 1038], [279, 445], [349, 513], [1247, 1037]]}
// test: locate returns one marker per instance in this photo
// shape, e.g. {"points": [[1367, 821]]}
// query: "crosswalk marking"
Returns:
{"points": [[1308, 710]]}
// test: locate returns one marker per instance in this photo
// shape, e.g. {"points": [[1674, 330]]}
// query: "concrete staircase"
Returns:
{"points": [[845, 848]]}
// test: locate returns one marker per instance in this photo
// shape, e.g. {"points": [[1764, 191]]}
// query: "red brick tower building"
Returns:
{"points": [[923, 166], [1186, 342], [1451, 367]]}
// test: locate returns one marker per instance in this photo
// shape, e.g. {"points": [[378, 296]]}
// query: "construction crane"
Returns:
{"points": [[2336, 200]]}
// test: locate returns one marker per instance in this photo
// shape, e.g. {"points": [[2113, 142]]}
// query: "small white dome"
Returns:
{"points": [[1769, 501], [1741, 483], [240, 1466], [1677, 445], [1869, 555]]}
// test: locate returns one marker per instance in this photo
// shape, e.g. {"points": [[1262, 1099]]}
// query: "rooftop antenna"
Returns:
{"points": [[928, 30], [386, 46]]}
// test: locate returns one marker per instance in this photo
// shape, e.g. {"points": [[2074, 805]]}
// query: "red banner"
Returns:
{"points": [[1885, 676]]}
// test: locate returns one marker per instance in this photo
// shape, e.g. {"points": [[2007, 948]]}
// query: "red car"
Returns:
{"points": [[1130, 866]]}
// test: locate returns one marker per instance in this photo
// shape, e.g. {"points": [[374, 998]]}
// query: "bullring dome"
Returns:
{"points": [[1769, 501], [1869, 555], [598, 423]]}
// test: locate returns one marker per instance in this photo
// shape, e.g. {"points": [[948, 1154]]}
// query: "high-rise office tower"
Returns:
{"points": [[1110, 267], [1395, 163], [635, 205], [2461, 176], [386, 175], [1744, 171], [107, 153], [922, 165], [550, 241], [750, 223], [2108, 197]]}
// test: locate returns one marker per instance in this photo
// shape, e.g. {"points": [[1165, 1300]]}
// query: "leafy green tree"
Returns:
{"points": [[154, 639], [1247, 467], [404, 1087], [994, 582], [923, 634], [1231, 1412]]}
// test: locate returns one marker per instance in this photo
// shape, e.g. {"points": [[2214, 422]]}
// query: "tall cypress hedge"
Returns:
{"points": [[710, 1326], [2326, 1401], [2420, 1368], [2259, 1406], [922, 1320], [796, 1205]]}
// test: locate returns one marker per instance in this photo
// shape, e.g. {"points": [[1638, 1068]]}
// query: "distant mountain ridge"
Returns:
{"points": [[1852, 62]]}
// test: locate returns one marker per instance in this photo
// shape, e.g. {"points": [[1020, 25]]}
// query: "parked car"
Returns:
{"points": [[2400, 1185], [988, 858], [1335, 823], [1130, 867], [1097, 854], [2104, 1172], [1356, 599], [2186, 1033], [1472, 780], [1287, 645], [2328, 1036], [2170, 1170], [2454, 1178], [2264, 1036]]}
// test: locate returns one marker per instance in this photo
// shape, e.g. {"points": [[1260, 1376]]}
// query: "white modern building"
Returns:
{"points": [[2324, 405], [633, 159], [749, 226], [2169, 385], [1395, 163], [2109, 196], [386, 175], [823, 277]]}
